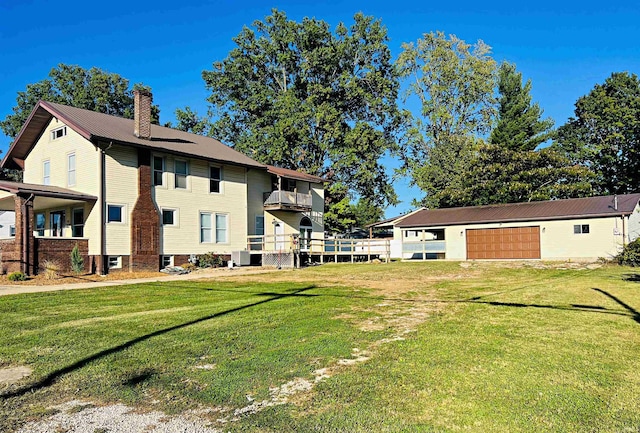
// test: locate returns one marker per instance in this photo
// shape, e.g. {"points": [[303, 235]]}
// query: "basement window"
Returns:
{"points": [[58, 133], [581, 229], [115, 262], [167, 261]]}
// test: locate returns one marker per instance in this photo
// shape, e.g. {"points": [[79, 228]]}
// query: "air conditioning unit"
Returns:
{"points": [[241, 258]]}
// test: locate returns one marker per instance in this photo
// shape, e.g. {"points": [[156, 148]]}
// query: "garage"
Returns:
{"points": [[504, 243]]}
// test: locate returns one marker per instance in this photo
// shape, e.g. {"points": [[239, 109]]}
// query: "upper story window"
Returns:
{"points": [[58, 133], [181, 172], [215, 179], [289, 185], [581, 229], [46, 172], [71, 169], [158, 170], [169, 217]]}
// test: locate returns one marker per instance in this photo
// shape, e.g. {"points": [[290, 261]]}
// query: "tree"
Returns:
{"points": [[519, 125], [77, 262], [455, 84], [189, 121], [91, 89], [301, 96], [605, 134], [503, 175]]}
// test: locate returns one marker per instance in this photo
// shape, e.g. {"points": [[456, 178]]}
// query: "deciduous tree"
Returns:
{"points": [[605, 134], [302, 96], [455, 84], [91, 89]]}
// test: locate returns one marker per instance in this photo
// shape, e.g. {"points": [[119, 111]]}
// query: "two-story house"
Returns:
{"points": [[133, 195]]}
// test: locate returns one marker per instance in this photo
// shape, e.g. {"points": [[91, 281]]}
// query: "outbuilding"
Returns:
{"points": [[571, 229]]}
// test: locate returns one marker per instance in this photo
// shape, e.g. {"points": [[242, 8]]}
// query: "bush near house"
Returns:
{"points": [[210, 260], [16, 276], [630, 254]]}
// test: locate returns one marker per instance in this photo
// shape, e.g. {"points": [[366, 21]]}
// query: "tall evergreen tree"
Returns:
{"points": [[519, 125]]}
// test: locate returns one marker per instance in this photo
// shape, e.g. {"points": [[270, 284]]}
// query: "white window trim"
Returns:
{"points": [[215, 228], [53, 135], [220, 180], [171, 262], [212, 228], [118, 264], [35, 223], [75, 169], [46, 179], [176, 217], [164, 171], [124, 213], [175, 174]]}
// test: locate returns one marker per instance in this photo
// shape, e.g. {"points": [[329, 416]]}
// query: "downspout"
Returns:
{"points": [[624, 232], [101, 202]]}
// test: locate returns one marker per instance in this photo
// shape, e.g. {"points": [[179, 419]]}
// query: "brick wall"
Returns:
{"points": [[58, 250], [145, 221], [9, 256]]}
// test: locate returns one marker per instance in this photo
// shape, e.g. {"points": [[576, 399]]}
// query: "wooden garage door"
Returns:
{"points": [[511, 243]]}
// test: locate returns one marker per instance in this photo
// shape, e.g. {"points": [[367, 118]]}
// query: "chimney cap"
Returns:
{"points": [[143, 91]]}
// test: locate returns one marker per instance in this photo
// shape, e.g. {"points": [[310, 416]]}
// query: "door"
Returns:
{"points": [[305, 234], [504, 243], [279, 235], [56, 223]]}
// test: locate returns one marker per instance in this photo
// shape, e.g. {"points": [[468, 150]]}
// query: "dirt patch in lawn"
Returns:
{"points": [[11, 375], [40, 280]]}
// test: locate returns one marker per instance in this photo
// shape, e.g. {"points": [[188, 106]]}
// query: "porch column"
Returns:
{"points": [[24, 240]]}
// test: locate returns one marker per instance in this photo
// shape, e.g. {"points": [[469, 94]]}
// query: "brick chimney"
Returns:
{"points": [[142, 113]]}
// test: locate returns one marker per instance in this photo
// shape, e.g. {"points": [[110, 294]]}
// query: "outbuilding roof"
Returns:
{"points": [[574, 208], [96, 127]]}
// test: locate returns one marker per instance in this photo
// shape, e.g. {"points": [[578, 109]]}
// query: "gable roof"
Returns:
{"points": [[96, 127], [390, 222], [590, 207], [293, 174]]}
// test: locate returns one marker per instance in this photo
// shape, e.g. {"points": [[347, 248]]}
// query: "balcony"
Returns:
{"points": [[287, 201]]}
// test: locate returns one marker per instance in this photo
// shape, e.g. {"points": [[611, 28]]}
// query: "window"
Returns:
{"points": [[58, 133], [158, 170], [77, 223], [167, 261], [115, 262], [12, 230], [56, 223], [215, 179], [46, 172], [181, 174], [221, 228], [169, 217], [205, 227], [71, 169], [289, 185], [207, 230], [260, 225], [581, 229], [39, 224], [114, 213]]}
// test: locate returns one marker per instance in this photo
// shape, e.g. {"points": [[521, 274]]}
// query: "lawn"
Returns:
{"points": [[435, 346]]}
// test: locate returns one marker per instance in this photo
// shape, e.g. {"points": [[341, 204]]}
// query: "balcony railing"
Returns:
{"points": [[287, 200]]}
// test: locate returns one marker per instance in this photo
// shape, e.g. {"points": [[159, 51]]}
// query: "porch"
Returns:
{"points": [[34, 241]]}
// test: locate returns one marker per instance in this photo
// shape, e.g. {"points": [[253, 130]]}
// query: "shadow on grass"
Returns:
{"points": [[634, 278], [51, 378], [633, 312]]}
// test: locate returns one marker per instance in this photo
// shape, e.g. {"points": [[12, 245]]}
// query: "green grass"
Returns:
{"points": [[500, 349]]}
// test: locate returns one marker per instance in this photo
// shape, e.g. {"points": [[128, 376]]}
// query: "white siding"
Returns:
{"points": [[184, 237], [121, 175]]}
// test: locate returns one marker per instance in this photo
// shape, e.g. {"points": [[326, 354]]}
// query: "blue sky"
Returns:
{"points": [[565, 48]]}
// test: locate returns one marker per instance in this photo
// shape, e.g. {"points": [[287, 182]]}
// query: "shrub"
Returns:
{"points": [[189, 267], [16, 276], [209, 260], [630, 254], [51, 269], [77, 262]]}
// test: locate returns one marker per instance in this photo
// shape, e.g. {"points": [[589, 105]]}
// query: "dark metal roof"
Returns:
{"points": [[590, 207], [44, 191], [293, 174], [96, 126]]}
